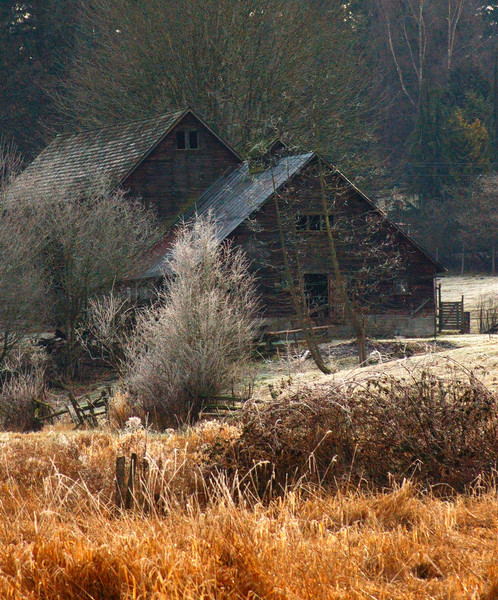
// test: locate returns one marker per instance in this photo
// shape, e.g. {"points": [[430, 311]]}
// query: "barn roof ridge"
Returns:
{"points": [[179, 111]]}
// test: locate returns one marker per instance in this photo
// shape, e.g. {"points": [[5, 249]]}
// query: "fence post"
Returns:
{"points": [[439, 308], [120, 480], [131, 479]]}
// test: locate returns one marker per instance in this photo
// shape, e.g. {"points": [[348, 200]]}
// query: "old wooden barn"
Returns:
{"points": [[177, 164]]}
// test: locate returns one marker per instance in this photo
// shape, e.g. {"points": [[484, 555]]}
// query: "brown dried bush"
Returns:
{"points": [[22, 388], [438, 430], [301, 436], [434, 430], [19, 401]]}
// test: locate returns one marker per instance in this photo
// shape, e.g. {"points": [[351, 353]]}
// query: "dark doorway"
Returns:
{"points": [[316, 288]]}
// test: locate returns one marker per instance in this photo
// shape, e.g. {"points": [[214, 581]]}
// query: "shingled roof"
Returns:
{"points": [[233, 198], [111, 153]]}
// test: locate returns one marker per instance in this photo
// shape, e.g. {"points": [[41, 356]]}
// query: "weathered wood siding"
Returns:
{"points": [[170, 180], [259, 236]]}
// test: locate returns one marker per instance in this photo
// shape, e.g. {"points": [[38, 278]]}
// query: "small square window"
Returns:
{"points": [[315, 222], [301, 222], [312, 222], [193, 140], [187, 140], [181, 142]]}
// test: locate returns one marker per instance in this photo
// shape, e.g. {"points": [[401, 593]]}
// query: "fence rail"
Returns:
{"points": [[83, 411]]}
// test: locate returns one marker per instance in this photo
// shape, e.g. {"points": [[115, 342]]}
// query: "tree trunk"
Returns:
{"points": [[352, 312], [299, 299]]}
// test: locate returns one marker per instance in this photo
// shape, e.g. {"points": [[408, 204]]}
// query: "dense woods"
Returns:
{"points": [[401, 95]]}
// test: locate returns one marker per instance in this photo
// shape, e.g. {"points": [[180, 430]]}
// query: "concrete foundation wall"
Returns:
{"points": [[377, 326], [392, 325]]}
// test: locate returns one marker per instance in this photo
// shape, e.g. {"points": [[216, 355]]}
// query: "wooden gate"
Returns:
{"points": [[452, 316]]}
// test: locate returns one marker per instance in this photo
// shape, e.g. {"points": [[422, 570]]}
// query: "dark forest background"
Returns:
{"points": [[402, 95]]}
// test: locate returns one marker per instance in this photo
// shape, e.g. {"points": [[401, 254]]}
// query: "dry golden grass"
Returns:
{"points": [[61, 538]]}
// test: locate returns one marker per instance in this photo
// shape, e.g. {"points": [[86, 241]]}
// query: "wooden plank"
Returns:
{"points": [[59, 413], [77, 411], [290, 331]]}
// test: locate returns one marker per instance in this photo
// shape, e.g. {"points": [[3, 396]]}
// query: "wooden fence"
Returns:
{"points": [[488, 320], [83, 411]]}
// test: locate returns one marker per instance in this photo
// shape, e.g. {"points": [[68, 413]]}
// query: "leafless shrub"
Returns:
{"points": [[197, 341], [438, 431], [107, 327], [487, 306], [303, 436], [19, 401], [22, 290]]}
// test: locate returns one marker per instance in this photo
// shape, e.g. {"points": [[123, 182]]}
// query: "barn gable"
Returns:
{"points": [[241, 193], [139, 156], [171, 179]]}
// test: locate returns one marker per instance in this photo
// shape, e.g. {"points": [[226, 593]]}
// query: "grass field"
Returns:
{"points": [[61, 538], [197, 532], [472, 288]]}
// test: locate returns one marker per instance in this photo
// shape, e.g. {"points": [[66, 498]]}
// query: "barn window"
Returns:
{"points": [[187, 140], [312, 222], [316, 289], [401, 286], [301, 222]]}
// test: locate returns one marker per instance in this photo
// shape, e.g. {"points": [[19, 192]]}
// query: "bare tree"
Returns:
{"points": [[293, 275], [426, 41], [368, 257], [87, 238], [22, 290], [251, 68], [197, 342], [406, 36]]}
